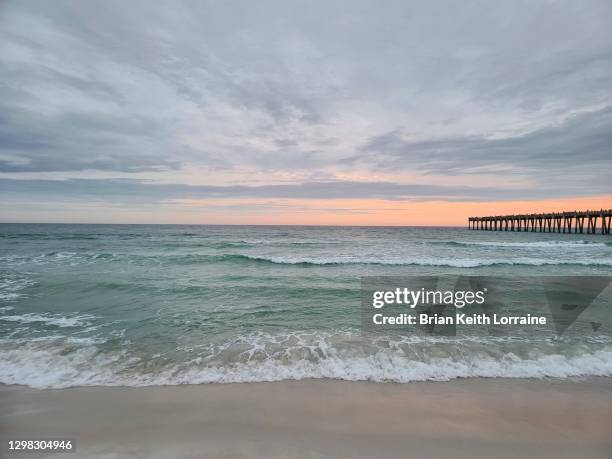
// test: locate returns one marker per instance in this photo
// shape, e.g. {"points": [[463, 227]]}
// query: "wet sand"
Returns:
{"points": [[479, 418]]}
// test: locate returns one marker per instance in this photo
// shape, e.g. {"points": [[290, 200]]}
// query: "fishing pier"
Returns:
{"points": [[584, 222]]}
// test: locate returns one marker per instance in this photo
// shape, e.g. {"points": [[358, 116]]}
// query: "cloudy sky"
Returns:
{"points": [[316, 112]]}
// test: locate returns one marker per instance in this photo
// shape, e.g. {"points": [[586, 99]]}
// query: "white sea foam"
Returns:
{"points": [[44, 366], [63, 258], [396, 368], [53, 368], [536, 244], [50, 319], [11, 286], [280, 241], [426, 261]]}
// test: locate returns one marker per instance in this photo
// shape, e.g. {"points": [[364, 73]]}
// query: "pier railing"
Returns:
{"points": [[556, 222]]}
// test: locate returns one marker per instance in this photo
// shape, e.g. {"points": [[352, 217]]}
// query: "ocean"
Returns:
{"points": [[138, 305]]}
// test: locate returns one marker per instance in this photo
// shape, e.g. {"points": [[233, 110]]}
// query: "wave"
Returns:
{"points": [[50, 237], [299, 356], [532, 244], [50, 319], [74, 259], [406, 261], [11, 286]]}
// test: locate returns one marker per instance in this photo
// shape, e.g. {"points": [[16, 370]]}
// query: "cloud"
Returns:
{"points": [[135, 190], [225, 93], [87, 141], [581, 139]]}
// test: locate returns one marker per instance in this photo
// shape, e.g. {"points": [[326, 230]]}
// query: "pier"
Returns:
{"points": [[583, 222]]}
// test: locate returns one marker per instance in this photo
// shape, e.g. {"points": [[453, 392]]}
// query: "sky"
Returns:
{"points": [[303, 112]]}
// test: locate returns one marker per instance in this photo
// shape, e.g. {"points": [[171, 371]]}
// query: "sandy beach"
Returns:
{"points": [[321, 419]]}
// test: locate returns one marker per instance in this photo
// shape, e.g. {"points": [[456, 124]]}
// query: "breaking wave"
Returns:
{"points": [[526, 244], [381, 260], [73, 259], [298, 356]]}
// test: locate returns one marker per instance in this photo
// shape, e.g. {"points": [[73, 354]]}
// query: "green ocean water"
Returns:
{"points": [[154, 304]]}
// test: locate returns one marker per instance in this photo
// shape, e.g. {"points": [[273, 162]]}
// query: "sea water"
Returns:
{"points": [[154, 305]]}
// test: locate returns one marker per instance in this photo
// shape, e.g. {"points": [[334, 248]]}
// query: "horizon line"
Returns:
{"points": [[230, 224]]}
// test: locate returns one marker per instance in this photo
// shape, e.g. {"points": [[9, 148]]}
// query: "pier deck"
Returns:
{"points": [[583, 222]]}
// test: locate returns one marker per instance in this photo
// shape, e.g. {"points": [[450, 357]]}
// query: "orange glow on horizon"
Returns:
{"points": [[366, 212]]}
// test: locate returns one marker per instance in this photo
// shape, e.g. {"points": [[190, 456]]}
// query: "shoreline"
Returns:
{"points": [[474, 417], [456, 380]]}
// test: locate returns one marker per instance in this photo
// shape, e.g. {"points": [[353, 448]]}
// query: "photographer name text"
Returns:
{"points": [[457, 319]]}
